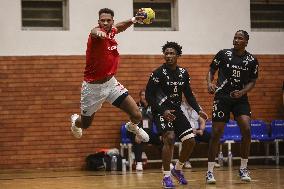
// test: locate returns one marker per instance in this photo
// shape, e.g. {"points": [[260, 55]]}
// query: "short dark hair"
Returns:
{"points": [[245, 33], [173, 45], [107, 11]]}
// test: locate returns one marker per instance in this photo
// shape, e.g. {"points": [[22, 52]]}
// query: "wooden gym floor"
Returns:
{"points": [[262, 177]]}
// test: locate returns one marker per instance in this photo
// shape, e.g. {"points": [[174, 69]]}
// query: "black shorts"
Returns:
{"points": [[223, 105], [180, 125]]}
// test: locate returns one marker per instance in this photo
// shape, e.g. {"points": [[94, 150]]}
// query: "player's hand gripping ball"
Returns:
{"points": [[149, 15]]}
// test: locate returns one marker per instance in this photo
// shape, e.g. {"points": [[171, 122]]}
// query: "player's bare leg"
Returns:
{"points": [[244, 124], [217, 132], [186, 150], [167, 154], [78, 123]]}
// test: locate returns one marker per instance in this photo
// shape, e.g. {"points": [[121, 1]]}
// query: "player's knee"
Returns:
{"points": [[190, 141]]}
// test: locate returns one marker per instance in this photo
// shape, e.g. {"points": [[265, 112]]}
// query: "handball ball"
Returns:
{"points": [[149, 15]]}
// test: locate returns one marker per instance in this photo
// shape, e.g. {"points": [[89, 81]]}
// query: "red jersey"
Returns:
{"points": [[102, 57]]}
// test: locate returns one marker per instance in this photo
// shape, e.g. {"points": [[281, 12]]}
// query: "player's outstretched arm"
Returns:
{"points": [[138, 18], [122, 26]]}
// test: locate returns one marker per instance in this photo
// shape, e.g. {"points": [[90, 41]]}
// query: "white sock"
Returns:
{"points": [[179, 165], [167, 173], [75, 121], [211, 166], [244, 163]]}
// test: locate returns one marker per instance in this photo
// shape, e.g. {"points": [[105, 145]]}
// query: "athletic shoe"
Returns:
{"points": [[179, 176], [138, 131], [139, 166], [244, 174], [217, 165], [167, 182], [210, 178], [77, 132], [131, 128], [187, 165]]}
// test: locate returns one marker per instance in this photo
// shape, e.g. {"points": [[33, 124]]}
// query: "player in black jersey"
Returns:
{"points": [[238, 71], [164, 94]]}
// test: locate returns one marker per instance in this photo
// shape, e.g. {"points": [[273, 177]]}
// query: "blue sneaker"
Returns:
{"points": [[179, 176], [244, 174], [167, 182]]}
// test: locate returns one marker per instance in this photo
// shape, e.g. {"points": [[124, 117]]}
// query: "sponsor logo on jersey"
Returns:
{"points": [[112, 48]]}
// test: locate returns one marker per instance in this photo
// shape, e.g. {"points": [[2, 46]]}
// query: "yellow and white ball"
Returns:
{"points": [[149, 15]]}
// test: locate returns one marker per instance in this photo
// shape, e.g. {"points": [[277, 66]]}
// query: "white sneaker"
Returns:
{"points": [[187, 165], [138, 131], [244, 174], [171, 166], [131, 127], [210, 178], [143, 135], [139, 166], [77, 132]]}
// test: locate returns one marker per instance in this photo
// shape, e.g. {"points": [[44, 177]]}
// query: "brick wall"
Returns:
{"points": [[39, 93]]}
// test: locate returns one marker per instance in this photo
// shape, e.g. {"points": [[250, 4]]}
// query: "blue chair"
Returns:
{"points": [[123, 135], [155, 129], [277, 133], [277, 129], [125, 143], [259, 130], [232, 132], [208, 126]]}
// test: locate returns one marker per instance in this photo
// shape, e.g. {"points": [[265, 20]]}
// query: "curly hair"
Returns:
{"points": [[107, 11], [173, 45], [245, 34]]}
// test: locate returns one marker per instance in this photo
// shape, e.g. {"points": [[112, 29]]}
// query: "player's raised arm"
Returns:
{"points": [[143, 16]]}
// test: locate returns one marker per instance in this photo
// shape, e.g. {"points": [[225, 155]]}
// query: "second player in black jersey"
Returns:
{"points": [[164, 94], [235, 71], [237, 74]]}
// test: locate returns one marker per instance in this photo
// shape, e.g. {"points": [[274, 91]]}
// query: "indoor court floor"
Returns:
{"points": [[262, 177]]}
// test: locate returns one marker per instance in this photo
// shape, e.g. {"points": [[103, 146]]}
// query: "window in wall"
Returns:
{"points": [[45, 14], [267, 14], [165, 12]]}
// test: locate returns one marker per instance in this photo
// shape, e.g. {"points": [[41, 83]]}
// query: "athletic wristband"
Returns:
{"points": [[133, 20]]}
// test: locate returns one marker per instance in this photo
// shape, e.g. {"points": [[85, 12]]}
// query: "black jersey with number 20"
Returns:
{"points": [[234, 71]]}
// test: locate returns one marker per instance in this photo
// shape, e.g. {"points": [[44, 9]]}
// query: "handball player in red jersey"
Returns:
{"points": [[99, 83]]}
